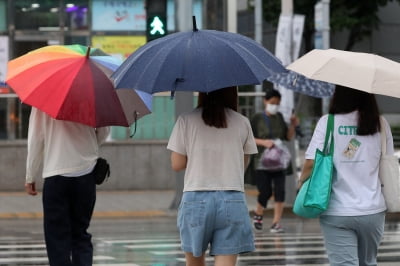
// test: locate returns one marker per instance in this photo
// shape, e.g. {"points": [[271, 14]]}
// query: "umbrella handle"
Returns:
{"points": [[134, 130], [88, 52], [194, 23]]}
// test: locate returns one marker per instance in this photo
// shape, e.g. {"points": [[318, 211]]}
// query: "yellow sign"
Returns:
{"points": [[118, 46]]}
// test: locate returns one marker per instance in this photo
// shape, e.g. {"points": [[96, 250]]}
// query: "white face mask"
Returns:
{"points": [[272, 109]]}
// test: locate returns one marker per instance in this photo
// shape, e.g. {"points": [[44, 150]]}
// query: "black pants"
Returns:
{"points": [[68, 204], [268, 182]]}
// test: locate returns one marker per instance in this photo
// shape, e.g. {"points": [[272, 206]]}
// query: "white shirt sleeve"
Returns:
{"points": [[35, 156], [318, 138], [102, 134], [176, 141], [389, 138], [250, 146]]}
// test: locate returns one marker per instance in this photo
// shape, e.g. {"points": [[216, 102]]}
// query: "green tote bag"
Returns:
{"points": [[314, 195]]}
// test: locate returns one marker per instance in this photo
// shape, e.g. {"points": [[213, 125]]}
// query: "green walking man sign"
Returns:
{"points": [[157, 26], [156, 12]]}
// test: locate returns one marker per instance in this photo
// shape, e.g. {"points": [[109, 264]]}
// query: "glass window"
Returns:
{"points": [[4, 117], [14, 118], [3, 15], [36, 15], [83, 40], [76, 14]]}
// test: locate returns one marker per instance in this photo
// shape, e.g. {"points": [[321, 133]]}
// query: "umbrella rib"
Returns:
{"points": [[118, 75], [198, 61], [240, 46], [374, 75], [43, 81], [63, 94], [160, 53], [60, 81]]}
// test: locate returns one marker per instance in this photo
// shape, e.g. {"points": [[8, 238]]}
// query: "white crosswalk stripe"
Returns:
{"points": [[279, 249], [282, 249], [26, 251]]}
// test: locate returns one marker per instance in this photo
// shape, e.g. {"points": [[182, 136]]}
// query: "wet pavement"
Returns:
{"points": [[154, 241], [137, 228]]}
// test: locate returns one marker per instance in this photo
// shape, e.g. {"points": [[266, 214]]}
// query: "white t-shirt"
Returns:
{"points": [[215, 156], [356, 188], [62, 147]]}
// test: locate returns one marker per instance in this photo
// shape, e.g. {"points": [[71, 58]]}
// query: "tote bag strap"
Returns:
{"points": [[329, 135], [383, 136]]}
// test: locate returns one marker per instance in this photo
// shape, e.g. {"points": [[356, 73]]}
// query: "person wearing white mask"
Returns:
{"points": [[268, 128]]}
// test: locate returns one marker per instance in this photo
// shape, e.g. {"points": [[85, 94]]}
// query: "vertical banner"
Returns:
{"points": [[297, 34], [287, 49], [4, 56], [284, 39], [283, 50]]}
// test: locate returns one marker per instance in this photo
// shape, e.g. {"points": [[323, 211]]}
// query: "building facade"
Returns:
{"points": [[116, 26]]}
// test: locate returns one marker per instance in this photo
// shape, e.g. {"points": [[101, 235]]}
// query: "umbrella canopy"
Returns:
{"points": [[362, 71], [135, 103], [301, 84], [69, 82], [199, 60]]}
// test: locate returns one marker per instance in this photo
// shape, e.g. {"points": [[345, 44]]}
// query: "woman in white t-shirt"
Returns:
{"points": [[212, 144], [353, 224]]}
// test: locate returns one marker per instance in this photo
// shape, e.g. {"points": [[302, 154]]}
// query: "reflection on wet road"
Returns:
{"points": [[155, 242]]}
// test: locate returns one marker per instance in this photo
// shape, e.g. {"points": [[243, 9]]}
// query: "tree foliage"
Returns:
{"points": [[359, 18]]}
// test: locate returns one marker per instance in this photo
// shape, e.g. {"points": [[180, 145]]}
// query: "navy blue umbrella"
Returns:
{"points": [[299, 83], [199, 60]]}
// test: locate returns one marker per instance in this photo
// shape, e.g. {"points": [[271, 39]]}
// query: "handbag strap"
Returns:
{"points": [[383, 136], [329, 135]]}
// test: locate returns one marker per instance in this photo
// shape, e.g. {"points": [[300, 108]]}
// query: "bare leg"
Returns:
{"points": [[278, 211], [225, 260], [259, 209], [194, 261]]}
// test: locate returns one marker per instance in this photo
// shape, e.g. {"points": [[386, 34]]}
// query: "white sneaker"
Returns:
{"points": [[276, 228]]}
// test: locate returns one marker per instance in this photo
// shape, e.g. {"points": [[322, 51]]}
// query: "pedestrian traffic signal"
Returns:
{"points": [[156, 12]]}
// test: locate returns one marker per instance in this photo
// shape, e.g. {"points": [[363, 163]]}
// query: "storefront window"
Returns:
{"points": [[14, 117], [44, 15], [83, 40], [39, 15], [4, 118], [76, 15], [3, 15]]}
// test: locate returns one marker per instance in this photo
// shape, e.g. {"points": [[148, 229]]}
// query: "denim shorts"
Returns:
{"points": [[216, 218]]}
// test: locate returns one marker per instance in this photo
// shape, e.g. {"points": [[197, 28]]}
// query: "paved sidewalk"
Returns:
{"points": [[138, 203]]}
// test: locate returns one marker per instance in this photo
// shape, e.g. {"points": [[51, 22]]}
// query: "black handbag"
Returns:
{"points": [[101, 171]]}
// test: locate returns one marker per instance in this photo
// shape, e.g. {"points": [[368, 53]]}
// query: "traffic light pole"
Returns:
{"points": [[183, 100]]}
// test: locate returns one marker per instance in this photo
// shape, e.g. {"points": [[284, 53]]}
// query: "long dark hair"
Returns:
{"points": [[346, 100], [214, 104]]}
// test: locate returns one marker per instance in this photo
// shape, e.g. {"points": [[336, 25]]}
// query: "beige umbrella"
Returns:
{"points": [[362, 71]]}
